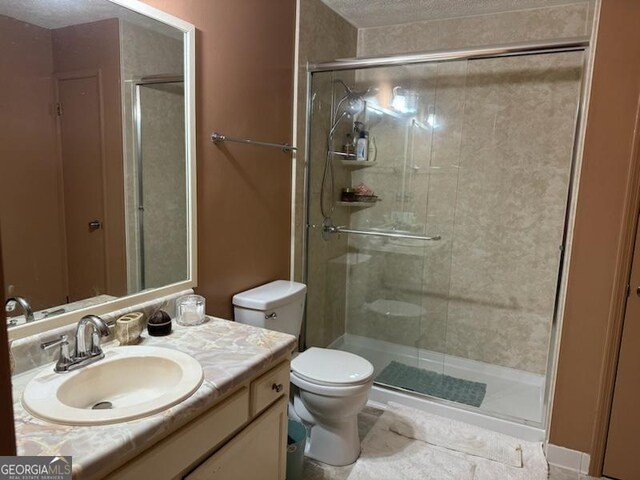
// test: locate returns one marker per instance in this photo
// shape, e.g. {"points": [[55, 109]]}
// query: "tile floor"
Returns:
{"points": [[317, 471]]}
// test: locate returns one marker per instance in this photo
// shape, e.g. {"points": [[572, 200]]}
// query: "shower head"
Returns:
{"points": [[352, 102], [370, 91]]}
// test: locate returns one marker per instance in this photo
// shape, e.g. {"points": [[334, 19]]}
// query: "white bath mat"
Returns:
{"points": [[387, 454], [455, 435]]}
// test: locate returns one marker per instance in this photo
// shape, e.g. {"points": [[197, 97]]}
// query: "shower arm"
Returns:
{"points": [[332, 229]]}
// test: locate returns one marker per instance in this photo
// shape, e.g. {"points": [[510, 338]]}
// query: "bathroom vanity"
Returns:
{"points": [[233, 427], [253, 420]]}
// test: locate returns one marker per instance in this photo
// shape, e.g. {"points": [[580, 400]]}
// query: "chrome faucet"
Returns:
{"points": [[98, 329], [10, 306], [84, 355]]}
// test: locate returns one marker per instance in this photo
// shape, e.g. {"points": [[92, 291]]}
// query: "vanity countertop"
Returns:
{"points": [[230, 353]]}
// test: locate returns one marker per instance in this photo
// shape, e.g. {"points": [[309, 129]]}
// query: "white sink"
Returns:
{"points": [[129, 383]]}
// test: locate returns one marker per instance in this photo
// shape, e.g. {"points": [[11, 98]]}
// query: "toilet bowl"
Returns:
{"points": [[330, 386]]}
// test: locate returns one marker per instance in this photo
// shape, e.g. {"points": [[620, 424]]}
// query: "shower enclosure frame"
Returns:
{"points": [[136, 85], [516, 426]]}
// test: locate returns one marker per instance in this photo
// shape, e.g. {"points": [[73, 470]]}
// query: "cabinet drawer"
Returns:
{"points": [[269, 387], [176, 454]]}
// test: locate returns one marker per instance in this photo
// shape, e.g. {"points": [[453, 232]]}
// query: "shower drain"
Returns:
{"points": [[102, 406]]}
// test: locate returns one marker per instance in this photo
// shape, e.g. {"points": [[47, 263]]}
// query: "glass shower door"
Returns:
{"points": [[366, 279], [446, 279], [517, 118]]}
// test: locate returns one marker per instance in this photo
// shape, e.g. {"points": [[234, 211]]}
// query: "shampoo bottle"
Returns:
{"points": [[362, 147]]}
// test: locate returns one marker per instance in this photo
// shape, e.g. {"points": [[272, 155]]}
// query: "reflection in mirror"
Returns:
{"points": [[161, 258], [93, 204]]}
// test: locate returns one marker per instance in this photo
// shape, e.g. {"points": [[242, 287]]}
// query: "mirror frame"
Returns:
{"points": [[127, 301]]}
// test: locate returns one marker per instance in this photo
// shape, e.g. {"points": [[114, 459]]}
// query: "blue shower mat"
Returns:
{"points": [[399, 375]]}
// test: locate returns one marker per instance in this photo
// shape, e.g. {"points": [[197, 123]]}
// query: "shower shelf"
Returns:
{"points": [[358, 163], [356, 204], [343, 155]]}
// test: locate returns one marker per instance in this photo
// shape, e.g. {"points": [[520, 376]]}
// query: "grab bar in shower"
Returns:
{"points": [[381, 233], [217, 138]]}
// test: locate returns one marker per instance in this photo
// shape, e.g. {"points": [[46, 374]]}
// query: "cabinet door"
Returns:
{"points": [[256, 453], [176, 454]]}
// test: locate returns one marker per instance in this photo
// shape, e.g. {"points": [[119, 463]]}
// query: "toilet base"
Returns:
{"points": [[335, 443]]}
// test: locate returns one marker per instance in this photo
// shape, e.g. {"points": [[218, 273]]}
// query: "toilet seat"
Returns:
{"points": [[330, 390], [331, 372], [332, 367]]}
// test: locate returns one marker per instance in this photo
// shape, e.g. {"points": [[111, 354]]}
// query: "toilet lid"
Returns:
{"points": [[322, 365]]}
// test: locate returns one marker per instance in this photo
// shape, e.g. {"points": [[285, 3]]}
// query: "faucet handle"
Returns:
{"points": [[64, 360], [54, 343]]}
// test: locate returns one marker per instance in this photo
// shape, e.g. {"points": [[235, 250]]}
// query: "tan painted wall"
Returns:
{"points": [[92, 46], [600, 226], [244, 88], [31, 214]]}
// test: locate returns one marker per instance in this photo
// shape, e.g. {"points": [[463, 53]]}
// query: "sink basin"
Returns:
{"points": [[129, 383]]}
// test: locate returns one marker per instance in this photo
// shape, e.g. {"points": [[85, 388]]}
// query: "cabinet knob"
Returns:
{"points": [[278, 387]]}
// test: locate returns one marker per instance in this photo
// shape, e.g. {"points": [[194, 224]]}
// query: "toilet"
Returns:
{"points": [[331, 386]]}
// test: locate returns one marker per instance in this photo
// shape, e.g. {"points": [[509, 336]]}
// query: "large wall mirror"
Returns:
{"points": [[96, 136]]}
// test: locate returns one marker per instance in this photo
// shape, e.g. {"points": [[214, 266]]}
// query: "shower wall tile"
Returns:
{"points": [[512, 192], [363, 288], [497, 336], [491, 179], [369, 282], [448, 109], [327, 269], [433, 325], [326, 292], [461, 32], [327, 273]]}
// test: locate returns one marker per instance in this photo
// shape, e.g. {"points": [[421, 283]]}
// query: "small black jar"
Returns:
{"points": [[159, 324]]}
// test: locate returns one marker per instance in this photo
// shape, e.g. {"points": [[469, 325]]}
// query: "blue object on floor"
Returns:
{"points": [[297, 438], [399, 375]]}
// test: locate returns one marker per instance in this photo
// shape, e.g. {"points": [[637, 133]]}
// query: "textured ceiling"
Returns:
{"points": [[373, 13], [62, 13]]}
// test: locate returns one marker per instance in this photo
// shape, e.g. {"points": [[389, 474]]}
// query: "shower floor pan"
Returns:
{"points": [[514, 400]]}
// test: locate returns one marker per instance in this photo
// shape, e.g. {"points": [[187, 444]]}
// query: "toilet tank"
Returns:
{"points": [[277, 306]]}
